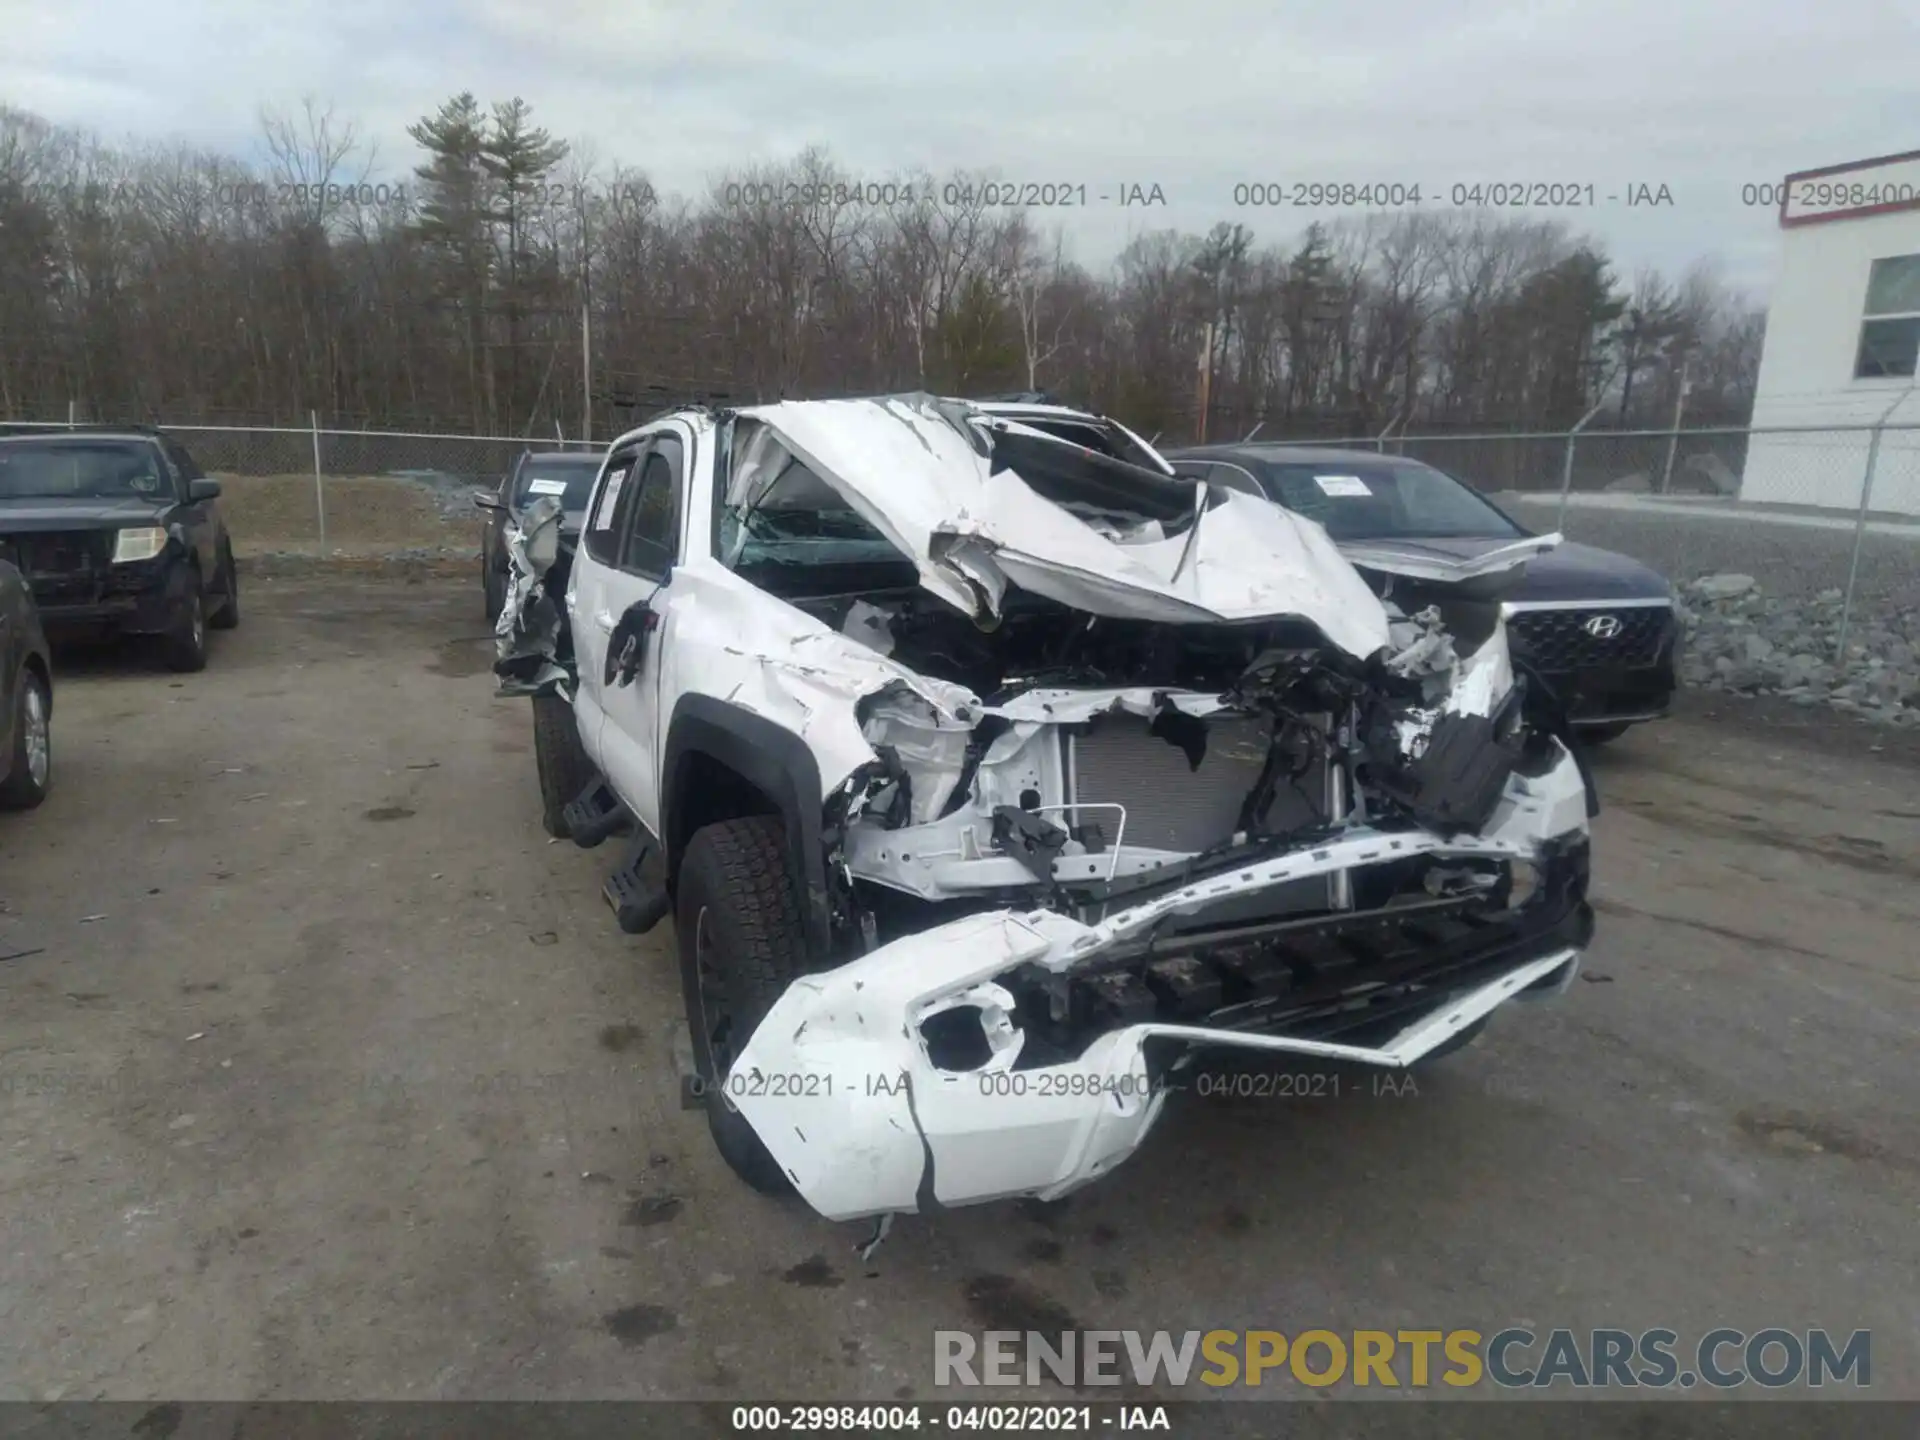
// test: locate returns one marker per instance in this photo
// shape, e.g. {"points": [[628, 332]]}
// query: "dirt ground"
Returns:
{"points": [[324, 1074], [279, 513]]}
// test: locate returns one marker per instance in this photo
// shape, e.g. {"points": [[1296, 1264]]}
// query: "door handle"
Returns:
{"points": [[627, 650], [604, 621]]}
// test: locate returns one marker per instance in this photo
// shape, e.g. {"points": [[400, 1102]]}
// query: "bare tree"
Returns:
{"points": [[199, 286]]}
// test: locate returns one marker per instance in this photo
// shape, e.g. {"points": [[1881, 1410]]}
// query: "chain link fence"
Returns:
{"points": [[1796, 551], [315, 491]]}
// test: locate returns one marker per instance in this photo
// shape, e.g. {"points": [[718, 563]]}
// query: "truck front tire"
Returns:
{"points": [[742, 942], [562, 761]]}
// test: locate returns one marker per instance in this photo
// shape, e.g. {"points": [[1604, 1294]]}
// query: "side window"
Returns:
{"points": [[606, 519], [652, 526]]}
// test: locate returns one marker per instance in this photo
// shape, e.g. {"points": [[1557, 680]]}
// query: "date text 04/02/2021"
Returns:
{"points": [[1017, 1085], [825, 1085], [989, 1419]]}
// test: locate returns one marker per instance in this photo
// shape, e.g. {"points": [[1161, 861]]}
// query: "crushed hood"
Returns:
{"points": [[980, 502], [1419, 559]]}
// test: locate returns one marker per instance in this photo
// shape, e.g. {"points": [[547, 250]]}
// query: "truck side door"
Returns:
{"points": [[595, 558], [637, 592]]}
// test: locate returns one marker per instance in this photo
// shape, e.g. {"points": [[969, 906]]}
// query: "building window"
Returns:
{"points": [[1890, 333]]}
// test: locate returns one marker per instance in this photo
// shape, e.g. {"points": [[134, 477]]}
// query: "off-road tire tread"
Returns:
{"points": [[751, 855], [741, 866], [561, 761]]}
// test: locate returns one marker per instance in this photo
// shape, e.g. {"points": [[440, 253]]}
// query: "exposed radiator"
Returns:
{"points": [[1169, 805]]}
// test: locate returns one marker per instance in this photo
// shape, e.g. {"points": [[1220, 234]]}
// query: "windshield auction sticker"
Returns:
{"points": [[1341, 485]]}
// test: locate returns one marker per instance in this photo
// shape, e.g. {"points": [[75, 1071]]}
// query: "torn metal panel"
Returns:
{"points": [[883, 1125], [530, 635], [924, 473], [1417, 562], [735, 643]]}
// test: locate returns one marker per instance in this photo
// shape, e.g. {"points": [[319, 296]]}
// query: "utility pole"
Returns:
{"points": [[586, 328], [1206, 380], [1673, 435]]}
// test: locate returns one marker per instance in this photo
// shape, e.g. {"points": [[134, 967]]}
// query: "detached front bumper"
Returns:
{"points": [[842, 1086]]}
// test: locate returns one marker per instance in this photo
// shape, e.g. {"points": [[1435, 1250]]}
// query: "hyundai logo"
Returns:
{"points": [[1603, 627]]}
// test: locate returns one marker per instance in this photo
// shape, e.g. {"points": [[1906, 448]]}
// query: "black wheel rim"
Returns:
{"points": [[715, 1008]]}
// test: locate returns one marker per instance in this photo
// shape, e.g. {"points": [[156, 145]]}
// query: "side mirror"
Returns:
{"points": [[487, 500], [203, 490]]}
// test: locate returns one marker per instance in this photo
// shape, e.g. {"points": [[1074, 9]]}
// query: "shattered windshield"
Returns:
{"points": [[776, 514], [89, 469], [1362, 501]]}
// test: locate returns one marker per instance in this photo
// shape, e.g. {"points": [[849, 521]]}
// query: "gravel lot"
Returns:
{"points": [[366, 515], [323, 1074], [1791, 561]]}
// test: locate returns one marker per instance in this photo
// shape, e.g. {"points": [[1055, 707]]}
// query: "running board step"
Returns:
{"points": [[594, 814], [637, 891]]}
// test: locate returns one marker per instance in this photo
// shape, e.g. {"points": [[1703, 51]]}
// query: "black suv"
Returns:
{"points": [[26, 697], [1596, 626], [116, 532]]}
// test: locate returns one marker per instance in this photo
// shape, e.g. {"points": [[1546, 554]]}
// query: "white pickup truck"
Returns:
{"points": [[993, 774]]}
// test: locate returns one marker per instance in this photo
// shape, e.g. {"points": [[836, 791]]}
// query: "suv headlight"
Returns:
{"points": [[139, 543]]}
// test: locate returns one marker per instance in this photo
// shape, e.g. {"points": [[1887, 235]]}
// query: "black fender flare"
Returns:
{"points": [[182, 565], [776, 762]]}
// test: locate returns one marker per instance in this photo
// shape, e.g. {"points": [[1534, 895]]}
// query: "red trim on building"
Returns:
{"points": [[1857, 212]]}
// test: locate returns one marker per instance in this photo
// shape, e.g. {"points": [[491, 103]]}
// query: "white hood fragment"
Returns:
{"points": [[530, 619], [925, 485], [1417, 563]]}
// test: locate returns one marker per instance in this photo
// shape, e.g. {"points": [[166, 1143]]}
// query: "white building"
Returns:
{"points": [[1843, 339]]}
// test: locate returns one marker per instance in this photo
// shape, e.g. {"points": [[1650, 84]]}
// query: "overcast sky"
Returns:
{"points": [[1191, 95]]}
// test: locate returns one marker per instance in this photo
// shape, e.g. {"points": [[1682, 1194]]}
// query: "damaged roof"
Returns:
{"points": [[980, 502]]}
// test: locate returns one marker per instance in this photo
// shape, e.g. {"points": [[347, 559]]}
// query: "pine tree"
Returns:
{"points": [[455, 226], [517, 158]]}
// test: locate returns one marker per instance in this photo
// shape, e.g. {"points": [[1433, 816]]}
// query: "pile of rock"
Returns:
{"points": [[1736, 638]]}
